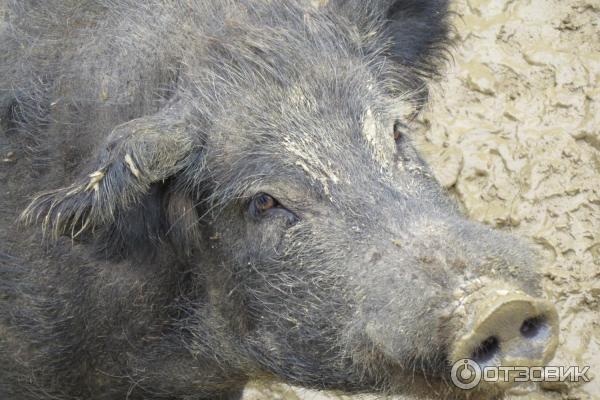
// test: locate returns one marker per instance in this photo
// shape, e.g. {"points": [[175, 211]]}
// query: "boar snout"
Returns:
{"points": [[435, 300], [501, 326]]}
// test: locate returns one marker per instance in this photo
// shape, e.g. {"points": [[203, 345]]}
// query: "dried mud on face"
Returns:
{"points": [[513, 131]]}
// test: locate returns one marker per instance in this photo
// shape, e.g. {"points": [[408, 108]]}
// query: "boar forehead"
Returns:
{"points": [[298, 95], [328, 139]]}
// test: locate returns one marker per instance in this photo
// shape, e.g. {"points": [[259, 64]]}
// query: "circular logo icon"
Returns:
{"points": [[465, 374]]}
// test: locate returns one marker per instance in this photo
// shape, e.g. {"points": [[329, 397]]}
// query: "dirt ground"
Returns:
{"points": [[514, 132]]}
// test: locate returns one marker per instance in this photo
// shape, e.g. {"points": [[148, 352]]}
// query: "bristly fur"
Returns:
{"points": [[224, 47], [143, 132]]}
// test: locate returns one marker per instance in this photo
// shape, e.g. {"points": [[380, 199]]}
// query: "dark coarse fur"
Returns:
{"points": [[143, 130]]}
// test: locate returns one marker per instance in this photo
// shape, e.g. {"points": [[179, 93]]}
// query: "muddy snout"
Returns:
{"points": [[504, 327]]}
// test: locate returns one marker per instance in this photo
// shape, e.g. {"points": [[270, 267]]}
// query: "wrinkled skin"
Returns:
{"points": [[149, 134]]}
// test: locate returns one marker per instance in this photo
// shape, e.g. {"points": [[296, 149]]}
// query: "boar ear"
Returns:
{"points": [[134, 158], [416, 29], [419, 32], [414, 33]]}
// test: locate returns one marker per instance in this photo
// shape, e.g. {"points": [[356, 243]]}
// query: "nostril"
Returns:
{"points": [[531, 327], [486, 350], [500, 326]]}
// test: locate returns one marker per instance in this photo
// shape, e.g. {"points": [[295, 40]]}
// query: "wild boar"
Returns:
{"points": [[213, 191]]}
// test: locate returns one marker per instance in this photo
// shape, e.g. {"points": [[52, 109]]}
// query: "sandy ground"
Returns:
{"points": [[514, 133]]}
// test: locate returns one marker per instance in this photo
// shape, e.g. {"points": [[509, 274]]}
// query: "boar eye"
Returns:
{"points": [[263, 204]]}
